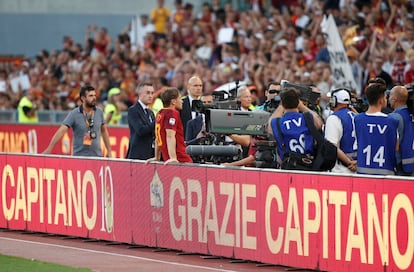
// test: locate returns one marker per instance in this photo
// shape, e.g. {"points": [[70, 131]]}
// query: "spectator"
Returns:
{"points": [[5, 103], [376, 135], [141, 122], [160, 17], [409, 73], [177, 18], [262, 49], [170, 132], [145, 28], [88, 126], [405, 154]]}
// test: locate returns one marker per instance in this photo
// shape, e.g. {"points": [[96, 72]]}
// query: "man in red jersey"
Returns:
{"points": [[169, 131]]}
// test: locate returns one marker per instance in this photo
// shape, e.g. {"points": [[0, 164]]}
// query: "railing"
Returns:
{"points": [[46, 116]]}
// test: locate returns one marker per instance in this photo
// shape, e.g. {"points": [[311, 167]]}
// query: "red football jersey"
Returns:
{"points": [[170, 119]]}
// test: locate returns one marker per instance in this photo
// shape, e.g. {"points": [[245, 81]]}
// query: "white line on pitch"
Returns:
{"points": [[116, 254]]}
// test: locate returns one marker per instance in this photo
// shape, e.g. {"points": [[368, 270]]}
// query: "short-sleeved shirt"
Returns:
{"points": [[170, 119], [76, 120]]}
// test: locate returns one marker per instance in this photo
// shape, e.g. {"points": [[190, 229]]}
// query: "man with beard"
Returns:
{"points": [[88, 126]]}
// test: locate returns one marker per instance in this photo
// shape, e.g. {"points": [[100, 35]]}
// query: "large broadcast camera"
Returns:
{"points": [[223, 118], [224, 98], [222, 122], [306, 92]]}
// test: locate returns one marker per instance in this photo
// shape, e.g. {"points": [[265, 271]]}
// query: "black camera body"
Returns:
{"points": [[410, 101], [272, 104], [266, 153], [359, 105], [306, 92]]}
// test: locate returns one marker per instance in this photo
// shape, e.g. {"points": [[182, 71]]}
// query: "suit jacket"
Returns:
{"points": [[142, 132], [185, 113], [193, 128]]}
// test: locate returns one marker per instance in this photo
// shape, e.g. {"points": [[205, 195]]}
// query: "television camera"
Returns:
{"points": [[306, 92], [222, 118], [221, 122]]}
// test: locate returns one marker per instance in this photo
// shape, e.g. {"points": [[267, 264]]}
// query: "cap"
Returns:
{"points": [[342, 96], [113, 91]]}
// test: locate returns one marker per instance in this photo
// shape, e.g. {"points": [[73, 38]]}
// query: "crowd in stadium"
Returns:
{"points": [[268, 44]]}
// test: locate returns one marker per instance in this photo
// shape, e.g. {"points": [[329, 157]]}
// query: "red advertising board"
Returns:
{"points": [[34, 138], [309, 220]]}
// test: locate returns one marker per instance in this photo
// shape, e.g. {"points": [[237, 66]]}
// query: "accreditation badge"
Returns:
{"points": [[87, 139]]}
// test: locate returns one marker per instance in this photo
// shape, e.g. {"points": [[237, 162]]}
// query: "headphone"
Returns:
{"points": [[333, 101]]}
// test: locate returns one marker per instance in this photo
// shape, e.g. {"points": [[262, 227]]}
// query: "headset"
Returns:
{"points": [[333, 101]]}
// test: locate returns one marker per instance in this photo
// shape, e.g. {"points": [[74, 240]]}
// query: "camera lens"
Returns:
{"points": [[90, 123]]}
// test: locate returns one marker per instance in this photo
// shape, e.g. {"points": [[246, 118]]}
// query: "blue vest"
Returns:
{"points": [[348, 142], [296, 135], [407, 143], [377, 138]]}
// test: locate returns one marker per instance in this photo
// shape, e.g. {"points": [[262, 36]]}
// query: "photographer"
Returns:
{"points": [[88, 125], [272, 97]]}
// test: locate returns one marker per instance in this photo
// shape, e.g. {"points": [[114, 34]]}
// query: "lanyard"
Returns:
{"points": [[89, 120]]}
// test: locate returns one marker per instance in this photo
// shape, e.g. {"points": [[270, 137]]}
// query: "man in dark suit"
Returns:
{"points": [[194, 90], [195, 129], [141, 122]]}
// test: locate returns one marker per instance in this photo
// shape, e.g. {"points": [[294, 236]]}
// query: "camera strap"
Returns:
{"points": [[279, 132], [88, 120]]}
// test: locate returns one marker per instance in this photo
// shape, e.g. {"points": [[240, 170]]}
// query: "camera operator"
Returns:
{"points": [[244, 99], [340, 130], [245, 141], [270, 105], [272, 97], [405, 154], [296, 135]]}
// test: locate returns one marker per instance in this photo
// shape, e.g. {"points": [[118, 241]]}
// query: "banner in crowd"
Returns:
{"points": [[311, 220], [34, 138], [340, 67]]}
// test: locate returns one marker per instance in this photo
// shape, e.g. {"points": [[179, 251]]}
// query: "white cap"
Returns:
{"points": [[342, 96]]}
